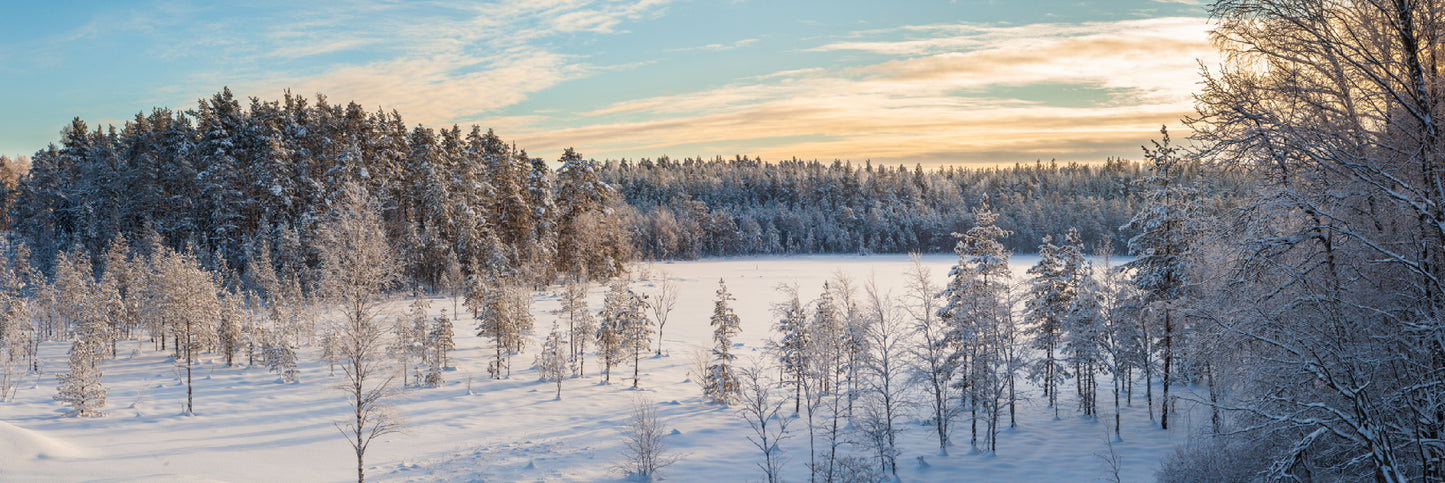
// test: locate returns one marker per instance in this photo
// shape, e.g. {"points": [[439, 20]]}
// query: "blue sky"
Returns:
{"points": [[897, 82]]}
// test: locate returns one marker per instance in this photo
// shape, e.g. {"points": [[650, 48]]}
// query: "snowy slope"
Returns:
{"points": [[250, 427]]}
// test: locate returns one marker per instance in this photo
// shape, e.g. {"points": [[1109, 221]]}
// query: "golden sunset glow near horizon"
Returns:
{"points": [[966, 82]]}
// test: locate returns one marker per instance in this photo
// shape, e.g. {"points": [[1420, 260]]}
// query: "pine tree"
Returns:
{"points": [[793, 341], [721, 382], [504, 315], [612, 326], [184, 294], [637, 333], [977, 310], [442, 340], [1160, 250], [278, 355], [1051, 292], [551, 362], [231, 334], [81, 387]]}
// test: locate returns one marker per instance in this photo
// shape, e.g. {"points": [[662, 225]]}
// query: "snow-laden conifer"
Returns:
{"points": [[721, 383]]}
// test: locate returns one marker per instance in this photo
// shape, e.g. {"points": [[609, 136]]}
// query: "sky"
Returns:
{"points": [[965, 82]]}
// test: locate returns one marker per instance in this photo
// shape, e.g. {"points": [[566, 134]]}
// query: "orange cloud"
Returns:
{"points": [[911, 110]]}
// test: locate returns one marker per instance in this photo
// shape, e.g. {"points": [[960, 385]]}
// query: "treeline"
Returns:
{"points": [[693, 207], [227, 182], [229, 179]]}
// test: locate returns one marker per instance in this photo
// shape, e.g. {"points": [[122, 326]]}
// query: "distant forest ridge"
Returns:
{"points": [[229, 180]]}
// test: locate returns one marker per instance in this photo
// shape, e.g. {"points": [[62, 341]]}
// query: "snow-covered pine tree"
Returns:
{"points": [[637, 333], [409, 346], [441, 339], [611, 326], [587, 241], [580, 327], [1160, 251], [793, 341], [277, 354], [1082, 325], [542, 247], [551, 362], [1051, 291], [72, 286], [721, 382], [183, 293], [123, 275], [81, 387], [977, 310], [231, 333], [505, 315]]}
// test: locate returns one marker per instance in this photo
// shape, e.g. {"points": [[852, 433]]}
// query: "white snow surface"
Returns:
{"points": [[250, 427]]}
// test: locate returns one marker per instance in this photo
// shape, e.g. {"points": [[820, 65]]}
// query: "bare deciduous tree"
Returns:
{"points": [[760, 409], [644, 440], [662, 302], [357, 268]]}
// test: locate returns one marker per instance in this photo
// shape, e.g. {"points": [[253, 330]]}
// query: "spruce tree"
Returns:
{"points": [[81, 387], [721, 382]]}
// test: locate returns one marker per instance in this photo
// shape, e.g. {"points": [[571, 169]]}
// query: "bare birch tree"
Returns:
{"points": [[357, 269]]}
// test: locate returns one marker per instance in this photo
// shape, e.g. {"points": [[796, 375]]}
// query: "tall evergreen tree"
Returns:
{"points": [[721, 381]]}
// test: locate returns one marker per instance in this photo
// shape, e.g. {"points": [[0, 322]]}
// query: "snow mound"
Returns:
{"points": [[18, 444]]}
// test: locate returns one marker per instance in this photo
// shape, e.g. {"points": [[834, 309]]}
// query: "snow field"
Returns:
{"points": [[249, 427]]}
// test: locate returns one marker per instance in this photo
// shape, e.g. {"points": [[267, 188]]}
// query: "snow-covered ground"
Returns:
{"points": [[250, 427]]}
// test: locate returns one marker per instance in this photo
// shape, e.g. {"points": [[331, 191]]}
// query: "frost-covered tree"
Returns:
{"points": [[588, 240], [1085, 324], [760, 409], [441, 340], [637, 333], [615, 322], [277, 354], [409, 346], [1050, 293], [662, 301], [932, 368], [580, 327], [645, 443], [721, 383], [231, 331], [884, 377], [793, 341], [15, 328], [81, 386], [504, 315], [1331, 308], [1160, 252], [977, 308], [551, 362], [357, 267], [124, 275], [184, 294]]}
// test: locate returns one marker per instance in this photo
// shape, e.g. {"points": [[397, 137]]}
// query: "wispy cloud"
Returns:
{"points": [[719, 47], [434, 62], [932, 102]]}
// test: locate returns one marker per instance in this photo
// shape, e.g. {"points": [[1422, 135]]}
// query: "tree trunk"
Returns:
{"points": [[1168, 367]]}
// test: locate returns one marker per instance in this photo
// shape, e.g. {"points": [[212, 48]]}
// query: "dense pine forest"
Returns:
{"points": [[691, 208], [227, 181]]}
